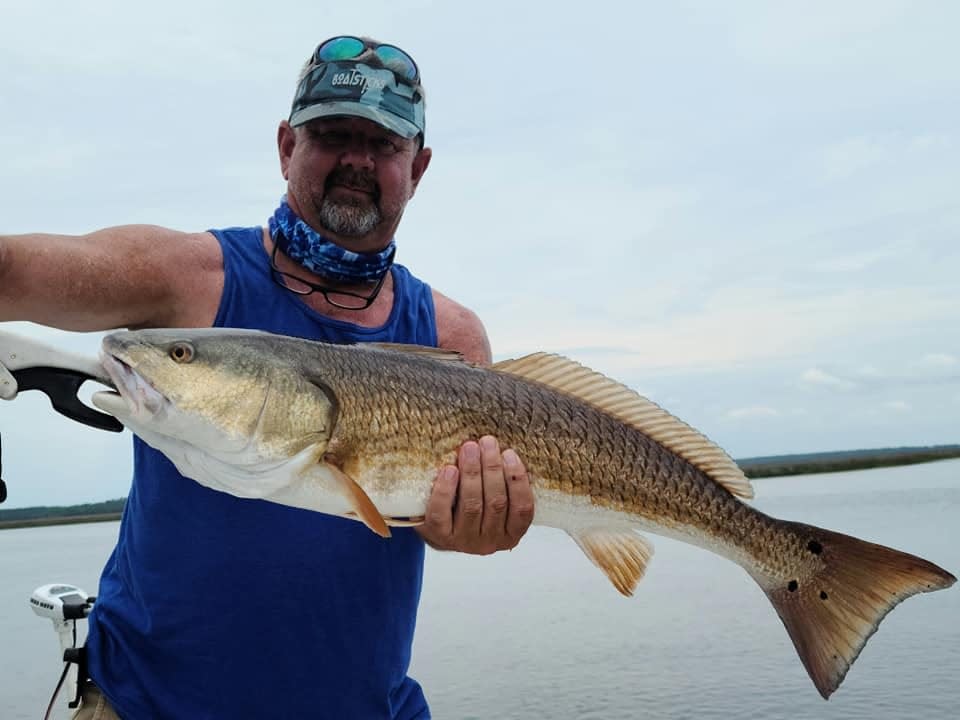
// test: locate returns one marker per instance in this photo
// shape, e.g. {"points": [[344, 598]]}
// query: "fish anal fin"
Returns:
{"points": [[831, 611], [361, 503], [622, 555], [625, 404]]}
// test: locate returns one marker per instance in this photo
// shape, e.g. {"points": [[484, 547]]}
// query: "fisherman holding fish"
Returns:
{"points": [[352, 153]]}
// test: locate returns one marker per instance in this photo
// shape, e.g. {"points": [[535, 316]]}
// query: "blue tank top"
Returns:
{"points": [[211, 606]]}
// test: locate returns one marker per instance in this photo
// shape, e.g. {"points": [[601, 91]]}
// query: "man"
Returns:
{"points": [[215, 607]]}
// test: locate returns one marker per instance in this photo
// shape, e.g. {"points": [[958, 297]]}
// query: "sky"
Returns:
{"points": [[746, 211]]}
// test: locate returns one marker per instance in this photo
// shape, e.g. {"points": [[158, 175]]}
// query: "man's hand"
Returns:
{"points": [[481, 505], [8, 383]]}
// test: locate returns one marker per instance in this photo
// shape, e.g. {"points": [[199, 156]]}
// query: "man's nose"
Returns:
{"points": [[358, 153]]}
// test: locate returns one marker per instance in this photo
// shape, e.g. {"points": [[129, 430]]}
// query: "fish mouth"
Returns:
{"points": [[134, 394]]}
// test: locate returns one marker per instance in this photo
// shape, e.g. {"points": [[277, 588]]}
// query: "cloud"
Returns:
{"points": [[839, 40], [938, 360], [717, 327], [856, 155], [870, 372], [816, 376], [756, 411], [854, 262], [846, 158], [903, 374], [898, 405]]}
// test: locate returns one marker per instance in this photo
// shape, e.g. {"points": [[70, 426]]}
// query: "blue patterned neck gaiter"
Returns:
{"points": [[304, 245]]}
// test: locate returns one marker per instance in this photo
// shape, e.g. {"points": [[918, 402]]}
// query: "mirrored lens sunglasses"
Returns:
{"points": [[348, 47]]}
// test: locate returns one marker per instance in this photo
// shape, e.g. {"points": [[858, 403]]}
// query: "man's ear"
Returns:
{"points": [[286, 140], [420, 163]]}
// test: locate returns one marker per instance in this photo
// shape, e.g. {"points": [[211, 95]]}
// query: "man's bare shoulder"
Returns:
{"points": [[160, 241], [186, 267], [460, 329], [152, 249]]}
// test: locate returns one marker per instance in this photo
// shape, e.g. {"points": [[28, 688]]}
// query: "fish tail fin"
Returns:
{"points": [[840, 595]]}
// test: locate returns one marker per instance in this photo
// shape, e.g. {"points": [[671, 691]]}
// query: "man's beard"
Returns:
{"points": [[350, 217]]}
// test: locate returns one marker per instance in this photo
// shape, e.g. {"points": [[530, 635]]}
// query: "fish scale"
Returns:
{"points": [[539, 428]]}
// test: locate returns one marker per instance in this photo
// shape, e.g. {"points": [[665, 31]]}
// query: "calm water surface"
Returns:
{"points": [[540, 633]]}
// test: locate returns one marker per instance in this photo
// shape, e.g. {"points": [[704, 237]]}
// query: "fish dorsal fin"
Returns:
{"points": [[626, 405], [424, 350]]}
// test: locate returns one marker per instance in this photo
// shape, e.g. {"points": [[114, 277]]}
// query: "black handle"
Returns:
{"points": [[62, 386], [3, 485]]}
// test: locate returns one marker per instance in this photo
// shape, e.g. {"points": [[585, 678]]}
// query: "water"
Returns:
{"points": [[540, 633]]}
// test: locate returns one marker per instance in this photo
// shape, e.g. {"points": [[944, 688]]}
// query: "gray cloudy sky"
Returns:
{"points": [[746, 211]]}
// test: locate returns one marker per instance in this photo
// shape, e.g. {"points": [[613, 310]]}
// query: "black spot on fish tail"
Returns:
{"points": [[814, 547], [793, 585], [823, 595]]}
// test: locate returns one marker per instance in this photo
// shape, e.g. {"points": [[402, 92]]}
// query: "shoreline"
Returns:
{"points": [[63, 520], [771, 469]]}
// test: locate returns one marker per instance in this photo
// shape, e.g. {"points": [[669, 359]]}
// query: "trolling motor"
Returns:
{"points": [[26, 364], [64, 604]]}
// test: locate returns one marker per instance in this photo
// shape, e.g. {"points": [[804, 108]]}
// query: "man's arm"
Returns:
{"points": [[129, 276], [485, 502]]}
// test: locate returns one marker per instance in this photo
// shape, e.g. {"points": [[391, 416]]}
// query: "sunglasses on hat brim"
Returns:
{"points": [[349, 47]]}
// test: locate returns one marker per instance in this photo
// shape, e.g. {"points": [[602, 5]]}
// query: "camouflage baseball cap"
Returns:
{"points": [[360, 90]]}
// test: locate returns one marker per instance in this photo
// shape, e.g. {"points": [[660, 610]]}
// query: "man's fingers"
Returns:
{"points": [[483, 505], [494, 490], [469, 511], [521, 504], [439, 514], [8, 383]]}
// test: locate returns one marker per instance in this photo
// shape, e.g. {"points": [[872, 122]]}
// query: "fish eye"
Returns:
{"points": [[181, 352]]}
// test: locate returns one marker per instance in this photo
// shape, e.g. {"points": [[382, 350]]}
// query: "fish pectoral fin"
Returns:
{"points": [[622, 555], [361, 503]]}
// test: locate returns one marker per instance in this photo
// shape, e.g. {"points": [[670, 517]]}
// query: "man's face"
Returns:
{"points": [[350, 177]]}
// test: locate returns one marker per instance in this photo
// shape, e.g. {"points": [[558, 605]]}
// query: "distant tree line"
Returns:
{"points": [[809, 464], [52, 515]]}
